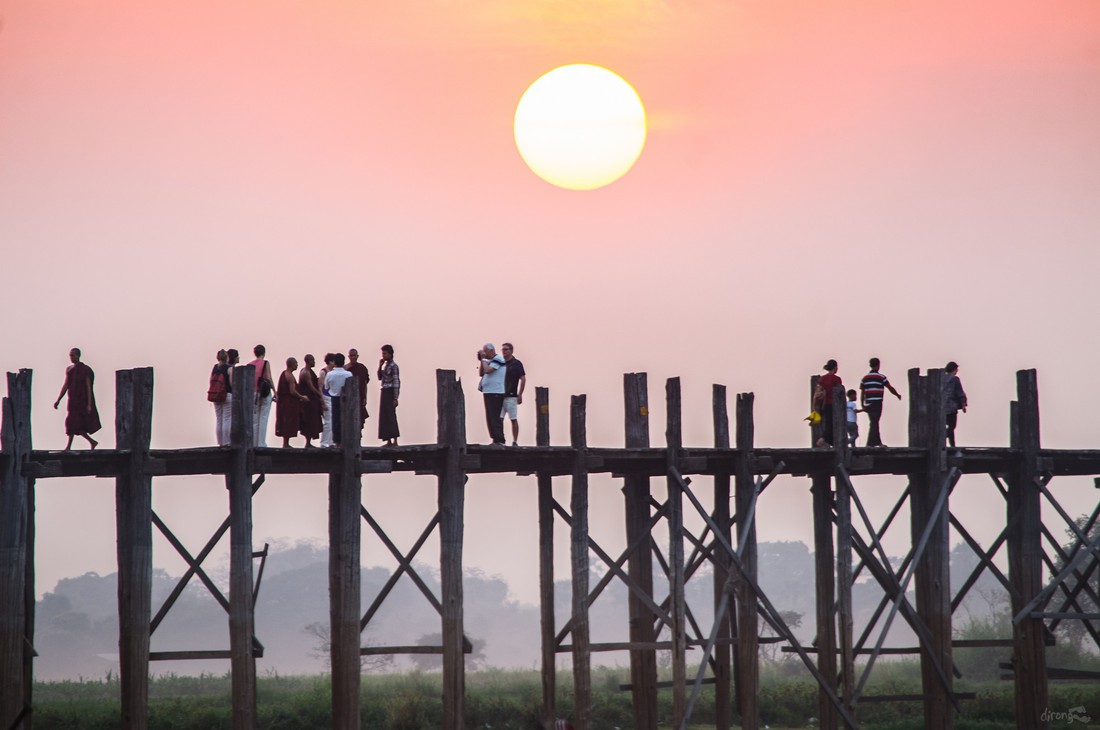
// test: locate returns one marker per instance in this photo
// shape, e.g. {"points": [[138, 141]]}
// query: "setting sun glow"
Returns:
{"points": [[580, 127]]}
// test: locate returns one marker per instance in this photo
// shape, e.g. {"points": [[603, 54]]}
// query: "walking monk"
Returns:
{"points": [[82, 417]]}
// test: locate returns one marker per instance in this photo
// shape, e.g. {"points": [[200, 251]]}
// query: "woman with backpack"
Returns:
{"points": [[220, 393]]}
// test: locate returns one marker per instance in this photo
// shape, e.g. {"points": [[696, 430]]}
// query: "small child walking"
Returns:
{"points": [[852, 424]]}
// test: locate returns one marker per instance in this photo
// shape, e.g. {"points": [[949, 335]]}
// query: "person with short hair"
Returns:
{"points": [[265, 395], [360, 372], [389, 375], [335, 380], [850, 423], [326, 400], [954, 399], [872, 388], [491, 368], [81, 414], [308, 385], [823, 401], [515, 380], [288, 409]]}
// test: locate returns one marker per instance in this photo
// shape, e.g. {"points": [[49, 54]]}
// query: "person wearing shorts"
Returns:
{"points": [[515, 379]]}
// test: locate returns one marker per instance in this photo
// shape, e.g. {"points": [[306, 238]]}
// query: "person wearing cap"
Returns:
{"points": [[823, 399], [492, 368]]}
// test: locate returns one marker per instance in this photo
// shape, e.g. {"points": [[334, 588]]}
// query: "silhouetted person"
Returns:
{"points": [[334, 381], [872, 389], [491, 368], [851, 423], [265, 395], [82, 417], [221, 385], [389, 375], [309, 386], [515, 380], [326, 400], [362, 374], [288, 404], [954, 399], [823, 401]]}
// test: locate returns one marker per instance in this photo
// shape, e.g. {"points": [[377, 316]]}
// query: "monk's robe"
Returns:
{"points": [[288, 409], [82, 416], [311, 409], [361, 374]]}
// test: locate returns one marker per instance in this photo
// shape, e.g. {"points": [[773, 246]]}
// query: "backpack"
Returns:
{"points": [[217, 390]]}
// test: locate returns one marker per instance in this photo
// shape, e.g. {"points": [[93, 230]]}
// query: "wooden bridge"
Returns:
{"points": [[1046, 584]]}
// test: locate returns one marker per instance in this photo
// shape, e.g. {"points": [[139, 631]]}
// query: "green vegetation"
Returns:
{"points": [[510, 699]]}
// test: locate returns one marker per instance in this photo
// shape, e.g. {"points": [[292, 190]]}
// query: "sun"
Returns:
{"points": [[580, 126]]}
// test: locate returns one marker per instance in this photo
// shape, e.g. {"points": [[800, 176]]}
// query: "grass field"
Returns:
{"points": [[502, 699]]}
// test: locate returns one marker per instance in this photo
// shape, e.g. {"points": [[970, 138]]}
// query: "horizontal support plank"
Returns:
{"points": [[911, 698], [165, 656], [665, 684], [552, 460], [387, 650], [375, 466], [1070, 615]]}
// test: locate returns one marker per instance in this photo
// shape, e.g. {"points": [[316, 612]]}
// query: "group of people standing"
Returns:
{"points": [[306, 402], [872, 389]]}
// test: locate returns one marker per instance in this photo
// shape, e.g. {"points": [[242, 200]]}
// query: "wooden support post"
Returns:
{"points": [[582, 658], [748, 645], [843, 498], [344, 527], [134, 516], [238, 482], [723, 715], [15, 531], [677, 602], [28, 607], [451, 432], [546, 564], [1025, 557], [636, 490], [927, 430], [824, 580]]}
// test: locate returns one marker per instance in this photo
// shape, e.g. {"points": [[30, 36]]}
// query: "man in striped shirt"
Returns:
{"points": [[872, 388]]}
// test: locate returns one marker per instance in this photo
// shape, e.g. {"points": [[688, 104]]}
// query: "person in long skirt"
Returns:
{"points": [[288, 403], [308, 385], [389, 375], [82, 416]]}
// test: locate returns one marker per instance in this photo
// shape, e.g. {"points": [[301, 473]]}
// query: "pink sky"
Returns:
{"points": [[915, 181]]}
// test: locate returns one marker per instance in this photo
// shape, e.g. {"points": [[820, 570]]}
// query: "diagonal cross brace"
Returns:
{"points": [[765, 603], [609, 576], [918, 552], [404, 566], [1091, 547], [194, 568], [612, 566]]}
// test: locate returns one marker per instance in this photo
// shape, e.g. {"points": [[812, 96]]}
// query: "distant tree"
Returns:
{"points": [[434, 662], [770, 651], [1073, 632], [322, 649]]}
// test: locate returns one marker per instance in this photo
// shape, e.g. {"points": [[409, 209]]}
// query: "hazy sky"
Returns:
{"points": [[916, 181]]}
